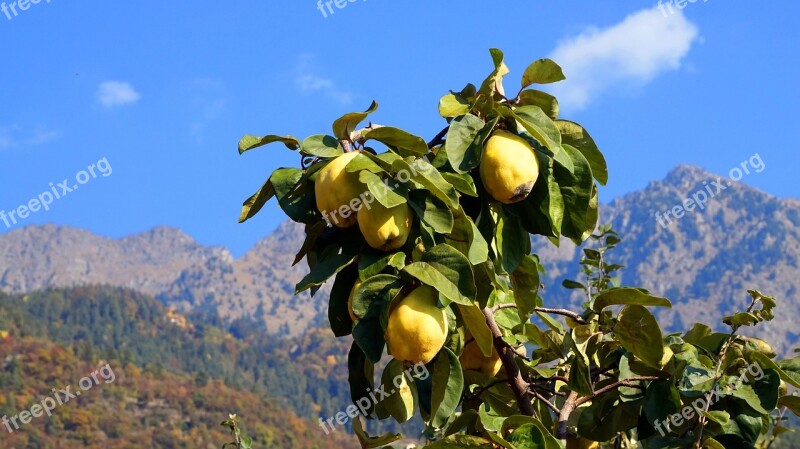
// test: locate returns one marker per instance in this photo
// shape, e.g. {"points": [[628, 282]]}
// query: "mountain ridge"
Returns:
{"points": [[702, 261]]}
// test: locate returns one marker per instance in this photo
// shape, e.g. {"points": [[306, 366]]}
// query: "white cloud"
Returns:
{"points": [[11, 137], [116, 93], [629, 54], [308, 81]]}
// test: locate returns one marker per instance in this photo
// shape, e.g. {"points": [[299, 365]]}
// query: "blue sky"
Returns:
{"points": [[164, 91]]}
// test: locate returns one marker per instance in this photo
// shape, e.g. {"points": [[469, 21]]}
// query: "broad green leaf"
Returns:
{"points": [[525, 280], [400, 403], [476, 323], [662, 399], [513, 242], [627, 296], [493, 85], [453, 105], [385, 194], [368, 442], [792, 403], [372, 262], [465, 139], [462, 182], [361, 374], [426, 176], [575, 135], [255, 203], [432, 211], [462, 442], [448, 383], [338, 315], [517, 421], [324, 270], [299, 205], [638, 332], [576, 191], [527, 436], [365, 160], [545, 101], [371, 300], [543, 71], [540, 126], [406, 144], [322, 145], [448, 271], [761, 395], [346, 124], [249, 142], [466, 238]]}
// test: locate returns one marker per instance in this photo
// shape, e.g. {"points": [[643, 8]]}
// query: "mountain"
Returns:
{"points": [[164, 380], [704, 261]]}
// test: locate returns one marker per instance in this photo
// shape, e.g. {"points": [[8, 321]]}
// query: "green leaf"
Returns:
{"points": [[513, 242], [400, 403], [368, 442], [385, 194], [540, 126], [638, 332], [255, 203], [461, 442], [448, 383], [792, 403], [372, 262], [371, 301], [462, 182], [406, 144], [322, 145], [627, 296], [464, 144], [432, 211], [324, 270], [360, 375], [527, 436], [476, 323], [346, 124], [448, 271], [576, 191], [296, 199], [338, 315], [525, 280], [543, 71], [762, 395], [453, 105], [249, 142], [466, 238], [493, 85], [428, 177], [575, 135], [543, 100], [662, 399], [572, 285]]}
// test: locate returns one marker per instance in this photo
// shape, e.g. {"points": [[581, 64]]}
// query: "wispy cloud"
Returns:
{"points": [[308, 80], [628, 54], [116, 93], [208, 103], [12, 137]]}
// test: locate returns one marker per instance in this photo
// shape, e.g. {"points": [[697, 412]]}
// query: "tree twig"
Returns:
{"points": [[518, 385], [629, 382], [439, 139]]}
